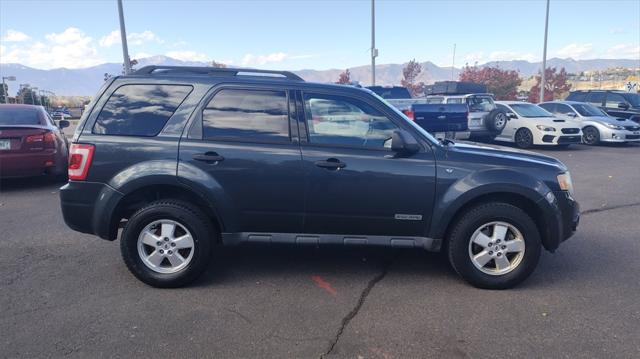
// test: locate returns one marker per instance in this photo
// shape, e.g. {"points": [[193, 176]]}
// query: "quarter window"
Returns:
{"points": [[343, 121], [139, 110], [247, 115]]}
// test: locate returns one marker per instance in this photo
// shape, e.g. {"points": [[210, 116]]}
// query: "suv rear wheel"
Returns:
{"points": [[167, 243], [494, 246]]}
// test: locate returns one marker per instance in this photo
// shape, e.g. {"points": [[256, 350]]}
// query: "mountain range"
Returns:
{"points": [[86, 81]]}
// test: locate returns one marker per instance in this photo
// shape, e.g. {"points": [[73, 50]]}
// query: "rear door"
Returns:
{"points": [[243, 149], [355, 184]]}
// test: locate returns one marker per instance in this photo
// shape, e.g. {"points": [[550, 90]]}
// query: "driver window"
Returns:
{"points": [[613, 99], [343, 121]]}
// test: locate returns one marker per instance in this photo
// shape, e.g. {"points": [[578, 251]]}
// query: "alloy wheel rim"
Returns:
{"points": [[524, 137], [496, 248], [500, 120], [165, 246]]}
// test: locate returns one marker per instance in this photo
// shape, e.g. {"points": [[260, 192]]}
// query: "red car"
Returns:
{"points": [[30, 143]]}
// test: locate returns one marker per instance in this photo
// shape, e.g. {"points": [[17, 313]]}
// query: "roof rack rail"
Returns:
{"points": [[213, 71]]}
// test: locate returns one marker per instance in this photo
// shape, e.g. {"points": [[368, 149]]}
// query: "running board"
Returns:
{"points": [[429, 244]]}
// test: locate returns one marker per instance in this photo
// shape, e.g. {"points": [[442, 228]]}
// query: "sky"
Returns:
{"points": [[317, 35]]}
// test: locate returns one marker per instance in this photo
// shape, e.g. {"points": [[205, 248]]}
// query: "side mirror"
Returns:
{"points": [[571, 114], [63, 124], [403, 142], [623, 105], [512, 115]]}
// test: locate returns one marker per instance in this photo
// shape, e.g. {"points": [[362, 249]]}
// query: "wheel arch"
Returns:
{"points": [[138, 197]]}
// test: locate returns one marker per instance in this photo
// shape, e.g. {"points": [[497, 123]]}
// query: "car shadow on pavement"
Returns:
{"points": [[261, 262], [21, 184]]}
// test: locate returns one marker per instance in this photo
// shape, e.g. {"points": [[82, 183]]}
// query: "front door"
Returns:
{"points": [[354, 183]]}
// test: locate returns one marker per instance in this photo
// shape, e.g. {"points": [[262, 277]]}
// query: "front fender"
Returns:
{"points": [[481, 183]]}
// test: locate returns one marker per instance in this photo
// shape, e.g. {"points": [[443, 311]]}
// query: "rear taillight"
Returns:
{"points": [[50, 137], [34, 139], [408, 113], [80, 156]]}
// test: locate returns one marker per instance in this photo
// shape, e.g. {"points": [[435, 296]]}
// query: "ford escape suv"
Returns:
{"points": [[184, 159]]}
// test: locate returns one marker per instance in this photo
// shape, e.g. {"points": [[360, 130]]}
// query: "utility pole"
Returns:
{"points": [[374, 51], [453, 64], [544, 55], [123, 36]]}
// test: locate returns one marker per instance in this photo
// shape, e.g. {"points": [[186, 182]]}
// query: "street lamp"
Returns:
{"points": [[123, 37], [5, 88], [544, 55]]}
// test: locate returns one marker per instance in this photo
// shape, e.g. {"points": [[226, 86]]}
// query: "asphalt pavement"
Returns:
{"points": [[66, 294]]}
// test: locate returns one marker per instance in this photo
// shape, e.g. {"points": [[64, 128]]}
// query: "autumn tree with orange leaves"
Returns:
{"points": [[556, 85]]}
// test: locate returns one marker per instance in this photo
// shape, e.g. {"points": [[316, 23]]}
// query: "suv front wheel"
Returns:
{"points": [[167, 243], [494, 246]]}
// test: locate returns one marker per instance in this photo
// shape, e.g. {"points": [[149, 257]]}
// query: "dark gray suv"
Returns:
{"points": [[184, 159]]}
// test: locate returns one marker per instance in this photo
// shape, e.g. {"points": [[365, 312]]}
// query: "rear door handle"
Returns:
{"points": [[209, 157], [331, 163]]}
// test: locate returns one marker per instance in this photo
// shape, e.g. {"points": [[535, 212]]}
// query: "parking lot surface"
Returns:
{"points": [[69, 294]]}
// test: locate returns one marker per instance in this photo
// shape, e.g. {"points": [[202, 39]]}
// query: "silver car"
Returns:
{"points": [[597, 125]]}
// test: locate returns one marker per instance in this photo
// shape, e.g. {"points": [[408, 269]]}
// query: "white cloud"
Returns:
{"points": [[71, 48], [576, 51], [188, 55], [251, 59], [113, 38], [15, 36], [624, 51]]}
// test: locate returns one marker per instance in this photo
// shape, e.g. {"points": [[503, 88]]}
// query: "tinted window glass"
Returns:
{"points": [[577, 96], [480, 104], [563, 109], [20, 116], [529, 110], [613, 99], [250, 115], [139, 110], [551, 107], [596, 98], [455, 100], [588, 110], [344, 121]]}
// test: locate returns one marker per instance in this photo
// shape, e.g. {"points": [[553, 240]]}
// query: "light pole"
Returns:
{"points": [[544, 55], [374, 51], [123, 37], [5, 88], [33, 99]]}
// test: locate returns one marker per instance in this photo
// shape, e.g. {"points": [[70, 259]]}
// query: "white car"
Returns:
{"points": [[531, 125]]}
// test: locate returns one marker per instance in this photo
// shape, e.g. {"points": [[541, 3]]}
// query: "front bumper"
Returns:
{"points": [[88, 207], [620, 136], [560, 140], [561, 219]]}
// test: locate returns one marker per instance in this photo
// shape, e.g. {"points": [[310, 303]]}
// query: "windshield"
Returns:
{"points": [[413, 124], [529, 110], [634, 99], [19, 116], [587, 110]]}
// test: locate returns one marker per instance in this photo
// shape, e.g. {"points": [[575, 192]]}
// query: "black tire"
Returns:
{"points": [[458, 245], [524, 138], [192, 218], [497, 120], [590, 136]]}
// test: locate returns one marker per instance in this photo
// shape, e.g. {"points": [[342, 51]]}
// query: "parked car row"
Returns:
{"points": [[607, 116]]}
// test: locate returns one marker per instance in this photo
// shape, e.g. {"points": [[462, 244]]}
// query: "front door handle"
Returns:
{"points": [[208, 157], [331, 164]]}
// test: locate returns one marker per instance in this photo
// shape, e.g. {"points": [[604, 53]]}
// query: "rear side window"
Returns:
{"points": [[247, 115], [577, 96], [139, 110], [596, 98]]}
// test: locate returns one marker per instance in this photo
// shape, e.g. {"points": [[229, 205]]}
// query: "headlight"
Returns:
{"points": [[545, 128], [615, 127], [565, 182]]}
